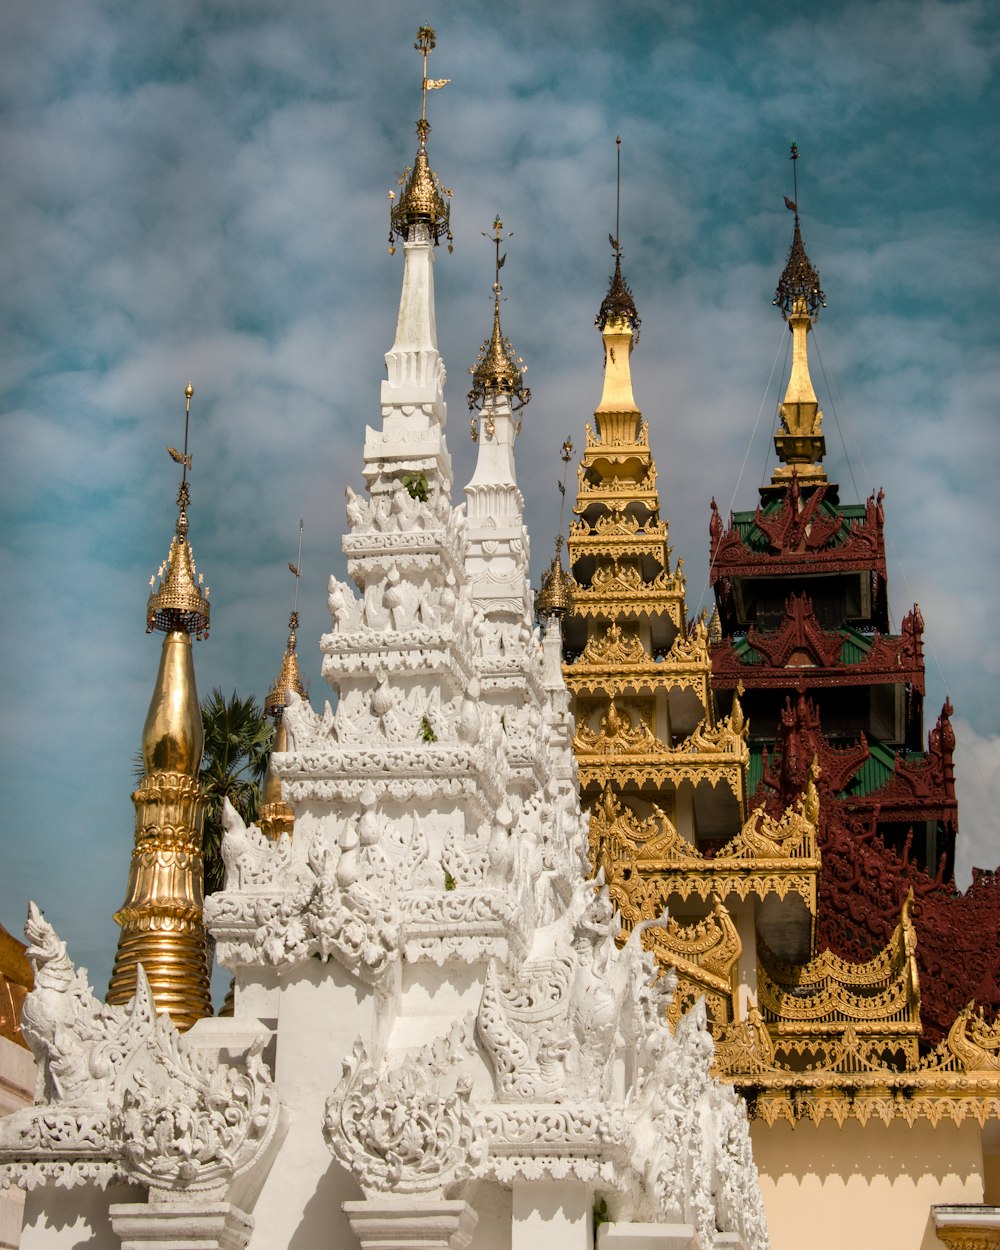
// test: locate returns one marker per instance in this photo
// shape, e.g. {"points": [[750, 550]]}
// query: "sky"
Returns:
{"points": [[198, 190]]}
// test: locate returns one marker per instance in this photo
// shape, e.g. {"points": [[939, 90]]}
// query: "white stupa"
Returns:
{"points": [[436, 1040]]}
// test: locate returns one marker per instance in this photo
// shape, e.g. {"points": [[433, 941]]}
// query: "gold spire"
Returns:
{"points": [[800, 443], [619, 323], [288, 678], [498, 370], [275, 816], [422, 201], [161, 919], [618, 304]]}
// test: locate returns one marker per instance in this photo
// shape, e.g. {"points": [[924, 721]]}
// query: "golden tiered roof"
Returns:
{"points": [[799, 442], [801, 1033], [637, 670], [648, 867]]}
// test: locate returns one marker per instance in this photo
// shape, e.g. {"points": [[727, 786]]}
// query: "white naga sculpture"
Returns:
{"points": [[462, 1053]]}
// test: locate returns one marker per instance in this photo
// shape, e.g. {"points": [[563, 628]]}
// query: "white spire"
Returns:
{"points": [[414, 413]]}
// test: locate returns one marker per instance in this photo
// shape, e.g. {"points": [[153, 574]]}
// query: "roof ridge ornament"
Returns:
{"points": [[179, 604], [799, 280], [423, 201], [498, 369], [619, 303]]}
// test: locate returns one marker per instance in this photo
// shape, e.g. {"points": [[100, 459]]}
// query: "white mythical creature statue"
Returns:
{"points": [[123, 1096]]}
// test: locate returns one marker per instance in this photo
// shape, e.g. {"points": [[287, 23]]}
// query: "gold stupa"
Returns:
{"points": [[162, 925], [276, 816]]}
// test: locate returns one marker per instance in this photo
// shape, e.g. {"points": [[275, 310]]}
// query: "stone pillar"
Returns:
{"points": [[181, 1225], [552, 1215], [404, 1223]]}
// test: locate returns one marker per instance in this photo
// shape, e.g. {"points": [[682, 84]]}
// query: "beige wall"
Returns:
{"points": [[865, 1188]]}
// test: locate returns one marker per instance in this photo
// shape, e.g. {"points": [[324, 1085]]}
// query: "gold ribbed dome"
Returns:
{"points": [[498, 369], [179, 604], [555, 596], [288, 678], [423, 201]]}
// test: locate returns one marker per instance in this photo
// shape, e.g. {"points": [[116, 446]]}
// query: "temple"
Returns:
{"points": [[437, 1038], [766, 779], [569, 921]]}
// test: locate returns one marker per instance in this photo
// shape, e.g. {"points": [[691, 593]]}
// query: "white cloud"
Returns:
{"points": [[200, 191], [978, 783]]}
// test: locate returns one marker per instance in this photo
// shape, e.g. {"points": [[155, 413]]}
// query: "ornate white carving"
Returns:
{"points": [[395, 1130], [551, 1025], [328, 914], [437, 823], [122, 1095]]}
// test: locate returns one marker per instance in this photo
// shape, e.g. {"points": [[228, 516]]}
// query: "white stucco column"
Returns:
{"points": [[553, 1215]]}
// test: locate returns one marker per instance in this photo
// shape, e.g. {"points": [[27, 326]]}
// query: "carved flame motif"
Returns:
{"points": [[396, 1131], [617, 735]]}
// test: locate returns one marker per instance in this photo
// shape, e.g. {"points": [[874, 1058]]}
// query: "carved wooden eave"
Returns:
{"points": [[704, 954], [646, 863], [959, 1080], [646, 678], [619, 663], [800, 541], [801, 650], [809, 1008], [664, 770], [921, 787], [643, 490], [629, 599]]}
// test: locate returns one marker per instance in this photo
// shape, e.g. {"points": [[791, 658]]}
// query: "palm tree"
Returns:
{"points": [[237, 746]]}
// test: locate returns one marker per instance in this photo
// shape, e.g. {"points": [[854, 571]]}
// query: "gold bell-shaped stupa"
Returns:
{"points": [[162, 926]]}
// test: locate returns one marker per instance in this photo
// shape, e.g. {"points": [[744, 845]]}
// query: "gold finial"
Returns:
{"points": [[618, 304], [179, 604], [555, 595], [288, 678], [498, 370], [422, 200], [799, 443], [425, 45], [799, 281]]}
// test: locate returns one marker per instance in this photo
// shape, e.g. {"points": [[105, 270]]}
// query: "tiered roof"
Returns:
{"points": [[836, 701], [637, 669]]}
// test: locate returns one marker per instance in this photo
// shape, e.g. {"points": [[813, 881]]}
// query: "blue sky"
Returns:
{"points": [[198, 189]]}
